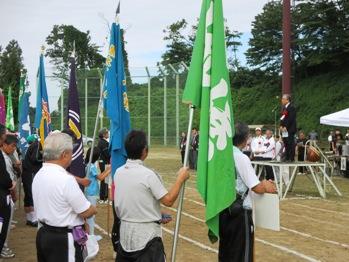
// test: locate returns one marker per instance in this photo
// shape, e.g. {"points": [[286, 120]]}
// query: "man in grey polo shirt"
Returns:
{"points": [[139, 191]]}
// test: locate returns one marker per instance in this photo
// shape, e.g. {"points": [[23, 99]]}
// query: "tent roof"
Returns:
{"points": [[340, 118]]}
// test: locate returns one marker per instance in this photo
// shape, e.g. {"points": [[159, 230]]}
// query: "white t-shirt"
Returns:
{"points": [[137, 193], [257, 145], [245, 177], [9, 166], [269, 147], [57, 197]]}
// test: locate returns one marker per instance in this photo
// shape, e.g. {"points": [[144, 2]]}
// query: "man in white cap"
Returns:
{"points": [[257, 145]]}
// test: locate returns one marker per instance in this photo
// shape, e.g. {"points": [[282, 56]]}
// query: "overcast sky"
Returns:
{"points": [[30, 22]]}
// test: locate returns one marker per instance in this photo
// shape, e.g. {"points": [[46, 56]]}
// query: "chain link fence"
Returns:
{"points": [[154, 94]]}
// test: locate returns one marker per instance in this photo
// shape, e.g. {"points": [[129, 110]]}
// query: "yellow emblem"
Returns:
{"points": [[111, 55], [126, 102], [75, 129]]}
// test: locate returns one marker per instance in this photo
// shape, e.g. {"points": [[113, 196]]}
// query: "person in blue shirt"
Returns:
{"points": [[92, 191]]}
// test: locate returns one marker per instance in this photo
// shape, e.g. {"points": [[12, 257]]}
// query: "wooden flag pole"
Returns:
{"points": [[181, 194]]}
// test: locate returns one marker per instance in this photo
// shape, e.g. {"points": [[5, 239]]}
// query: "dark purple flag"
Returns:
{"points": [[77, 167]]}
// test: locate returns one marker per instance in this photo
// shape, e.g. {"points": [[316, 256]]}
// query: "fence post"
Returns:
{"points": [[149, 113], [177, 103], [165, 104], [101, 116], [62, 105], [86, 106]]}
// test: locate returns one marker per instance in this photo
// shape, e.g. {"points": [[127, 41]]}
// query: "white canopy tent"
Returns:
{"points": [[340, 118]]}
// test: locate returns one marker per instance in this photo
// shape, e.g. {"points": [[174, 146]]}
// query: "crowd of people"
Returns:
{"points": [[63, 206]]}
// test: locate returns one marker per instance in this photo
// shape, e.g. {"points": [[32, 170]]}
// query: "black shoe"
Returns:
{"points": [[32, 224]]}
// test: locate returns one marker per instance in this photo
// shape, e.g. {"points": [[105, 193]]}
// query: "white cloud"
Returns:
{"points": [[30, 22]]}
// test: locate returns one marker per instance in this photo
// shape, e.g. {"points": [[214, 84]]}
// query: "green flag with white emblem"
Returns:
{"points": [[10, 123], [208, 88]]}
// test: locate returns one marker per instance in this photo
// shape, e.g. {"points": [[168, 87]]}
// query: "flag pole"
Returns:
{"points": [[96, 123], [181, 194]]}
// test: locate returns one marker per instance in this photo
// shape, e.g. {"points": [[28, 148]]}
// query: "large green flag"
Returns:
{"points": [[208, 88], [10, 123]]}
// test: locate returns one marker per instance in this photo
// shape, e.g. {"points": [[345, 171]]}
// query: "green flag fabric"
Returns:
{"points": [[10, 123], [208, 88], [21, 92]]}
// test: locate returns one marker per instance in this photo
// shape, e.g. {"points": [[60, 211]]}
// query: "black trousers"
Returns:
{"points": [[269, 170], [182, 156], [236, 237], [5, 213], [53, 245], [27, 180], [103, 193], [290, 147], [153, 252]]}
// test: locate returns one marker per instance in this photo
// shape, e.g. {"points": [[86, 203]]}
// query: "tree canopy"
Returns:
{"points": [[11, 65], [60, 46]]}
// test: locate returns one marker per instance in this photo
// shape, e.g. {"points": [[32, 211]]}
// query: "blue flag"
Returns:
{"points": [[116, 101], [24, 122], [77, 167], [42, 113]]}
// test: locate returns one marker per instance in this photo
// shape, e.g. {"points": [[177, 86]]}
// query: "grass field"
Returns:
{"points": [[312, 229]]}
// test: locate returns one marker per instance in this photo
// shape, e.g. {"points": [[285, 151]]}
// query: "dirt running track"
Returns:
{"points": [[313, 229]]}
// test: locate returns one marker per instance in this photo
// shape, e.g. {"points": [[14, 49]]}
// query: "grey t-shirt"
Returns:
{"points": [[138, 191]]}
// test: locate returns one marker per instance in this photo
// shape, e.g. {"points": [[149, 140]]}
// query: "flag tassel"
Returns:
{"points": [[181, 194]]}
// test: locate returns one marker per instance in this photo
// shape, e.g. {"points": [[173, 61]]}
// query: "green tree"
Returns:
{"points": [[265, 49], [180, 42], [323, 37], [11, 64], [60, 46], [179, 46]]}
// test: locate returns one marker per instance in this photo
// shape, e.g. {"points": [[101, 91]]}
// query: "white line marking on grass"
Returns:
{"points": [[186, 214], [321, 209], [104, 232], [316, 238], [312, 219], [196, 243], [195, 202], [287, 250]]}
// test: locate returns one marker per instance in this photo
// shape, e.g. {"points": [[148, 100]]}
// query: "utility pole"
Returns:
{"points": [[286, 47]]}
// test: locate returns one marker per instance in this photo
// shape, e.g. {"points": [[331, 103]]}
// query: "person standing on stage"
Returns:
{"points": [[269, 152], [288, 127], [103, 146], [257, 145], [138, 194], [60, 204], [236, 229], [182, 145]]}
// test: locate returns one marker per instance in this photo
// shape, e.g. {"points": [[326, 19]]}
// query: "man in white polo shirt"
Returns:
{"points": [[138, 194], [60, 204]]}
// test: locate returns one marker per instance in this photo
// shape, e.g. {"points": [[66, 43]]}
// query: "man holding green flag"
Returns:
{"points": [[208, 88], [10, 123]]}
